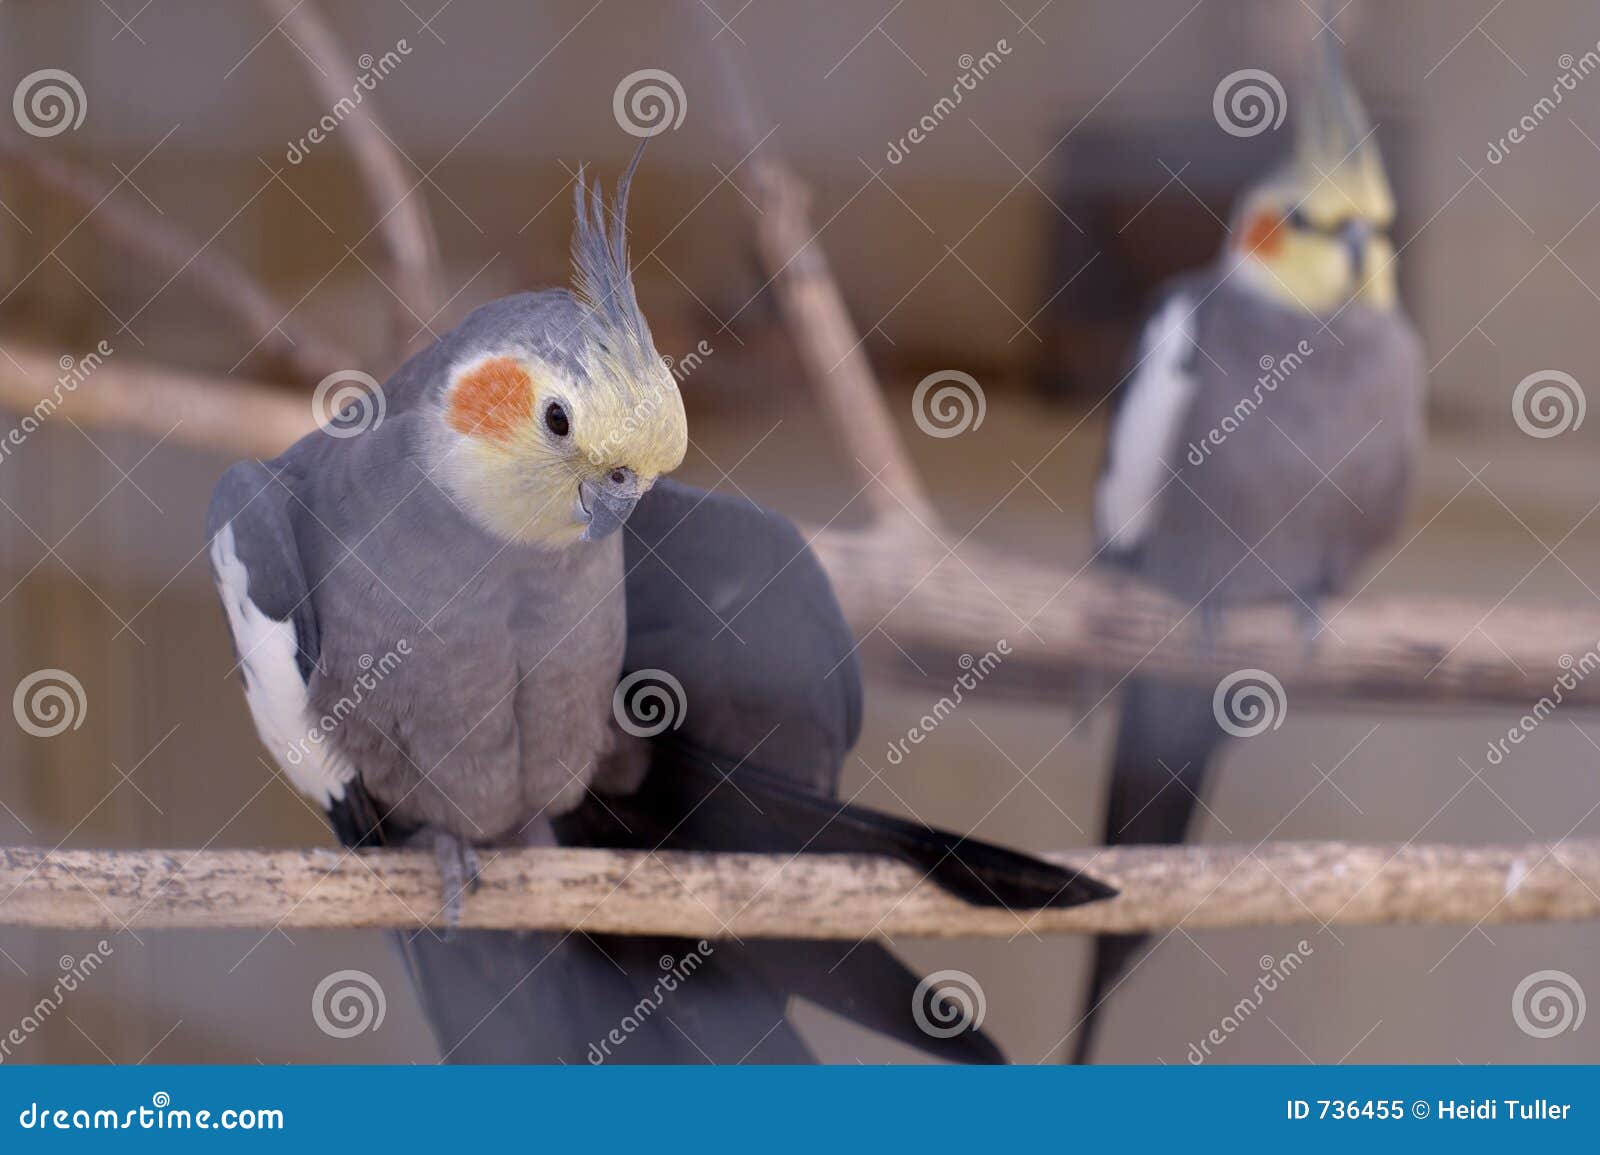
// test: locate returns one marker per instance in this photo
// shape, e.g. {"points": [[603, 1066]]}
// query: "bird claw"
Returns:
{"points": [[459, 867]]}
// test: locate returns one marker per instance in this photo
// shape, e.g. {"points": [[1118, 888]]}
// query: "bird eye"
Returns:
{"points": [[556, 420], [1298, 220]]}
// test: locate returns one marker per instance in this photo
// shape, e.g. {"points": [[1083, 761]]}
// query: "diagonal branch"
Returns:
{"points": [[829, 345], [169, 248], [404, 222]]}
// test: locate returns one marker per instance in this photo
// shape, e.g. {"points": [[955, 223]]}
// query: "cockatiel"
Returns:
{"points": [[471, 537], [1288, 358]]}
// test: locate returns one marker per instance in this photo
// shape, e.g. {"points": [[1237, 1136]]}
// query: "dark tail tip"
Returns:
{"points": [[992, 876]]}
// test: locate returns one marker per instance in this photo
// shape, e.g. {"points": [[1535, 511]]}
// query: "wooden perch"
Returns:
{"points": [[172, 251], [803, 896], [1381, 648]]}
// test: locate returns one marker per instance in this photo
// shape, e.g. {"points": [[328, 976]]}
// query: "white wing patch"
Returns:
{"points": [[279, 699], [1145, 428]]}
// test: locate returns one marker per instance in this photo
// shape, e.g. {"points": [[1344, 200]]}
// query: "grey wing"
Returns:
{"points": [[256, 564], [727, 597]]}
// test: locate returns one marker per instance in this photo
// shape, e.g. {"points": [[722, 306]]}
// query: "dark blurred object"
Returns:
{"points": [[1153, 201]]}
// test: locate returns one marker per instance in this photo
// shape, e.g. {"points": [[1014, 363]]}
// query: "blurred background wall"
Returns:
{"points": [[960, 255]]}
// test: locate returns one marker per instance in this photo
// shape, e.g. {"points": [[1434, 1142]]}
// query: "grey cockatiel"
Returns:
{"points": [[432, 615], [1288, 358]]}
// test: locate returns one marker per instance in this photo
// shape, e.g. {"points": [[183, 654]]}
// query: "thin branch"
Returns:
{"points": [[829, 344], [804, 896], [170, 249], [404, 224], [233, 418], [1056, 620]]}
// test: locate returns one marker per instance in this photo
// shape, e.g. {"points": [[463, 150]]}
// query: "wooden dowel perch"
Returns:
{"points": [[808, 896]]}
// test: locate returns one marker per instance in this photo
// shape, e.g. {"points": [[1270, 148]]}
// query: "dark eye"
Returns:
{"points": [[555, 419], [1298, 220]]}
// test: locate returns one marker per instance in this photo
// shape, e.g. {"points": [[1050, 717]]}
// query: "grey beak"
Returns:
{"points": [[607, 511], [1354, 234]]}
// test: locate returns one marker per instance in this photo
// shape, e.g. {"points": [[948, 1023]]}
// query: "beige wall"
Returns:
{"points": [[1493, 303]]}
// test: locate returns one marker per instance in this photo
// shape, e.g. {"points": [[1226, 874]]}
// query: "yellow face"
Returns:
{"points": [[544, 458], [1319, 242]]}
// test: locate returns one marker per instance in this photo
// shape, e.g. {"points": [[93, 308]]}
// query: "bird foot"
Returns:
{"points": [[458, 876]]}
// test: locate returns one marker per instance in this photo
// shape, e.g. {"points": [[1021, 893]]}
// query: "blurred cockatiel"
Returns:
{"points": [[470, 538], [1288, 358]]}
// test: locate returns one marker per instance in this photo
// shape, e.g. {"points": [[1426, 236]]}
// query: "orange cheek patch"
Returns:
{"points": [[492, 399], [1263, 234]]}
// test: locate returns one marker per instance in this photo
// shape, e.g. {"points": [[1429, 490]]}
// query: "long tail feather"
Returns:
{"points": [[1165, 740], [734, 808]]}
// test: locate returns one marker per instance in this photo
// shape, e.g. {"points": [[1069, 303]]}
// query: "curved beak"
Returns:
{"points": [[1354, 235], [604, 511]]}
